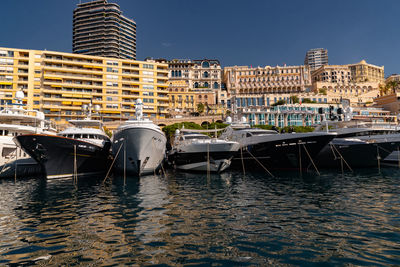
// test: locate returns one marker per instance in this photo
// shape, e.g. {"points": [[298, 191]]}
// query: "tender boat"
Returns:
{"points": [[77, 151], [198, 152], [138, 145]]}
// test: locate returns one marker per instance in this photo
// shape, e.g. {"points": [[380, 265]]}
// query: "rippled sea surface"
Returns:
{"points": [[191, 219]]}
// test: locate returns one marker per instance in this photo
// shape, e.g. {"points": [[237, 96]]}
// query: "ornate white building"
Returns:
{"points": [[264, 86], [204, 77]]}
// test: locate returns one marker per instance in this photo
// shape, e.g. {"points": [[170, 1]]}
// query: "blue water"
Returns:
{"points": [[191, 219]]}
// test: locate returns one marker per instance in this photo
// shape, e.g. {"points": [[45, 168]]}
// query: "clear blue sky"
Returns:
{"points": [[257, 33]]}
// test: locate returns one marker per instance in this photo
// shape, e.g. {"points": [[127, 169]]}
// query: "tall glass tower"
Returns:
{"points": [[100, 29]]}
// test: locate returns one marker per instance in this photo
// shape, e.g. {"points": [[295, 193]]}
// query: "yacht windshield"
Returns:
{"points": [[188, 137], [263, 132]]}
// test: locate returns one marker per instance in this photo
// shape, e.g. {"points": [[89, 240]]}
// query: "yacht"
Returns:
{"points": [[138, 145], [14, 121], [358, 145], [80, 150], [193, 151], [260, 149]]}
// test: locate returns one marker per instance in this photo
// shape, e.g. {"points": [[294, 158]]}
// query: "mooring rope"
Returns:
{"points": [[261, 164], [311, 159], [241, 156], [342, 158], [112, 164]]}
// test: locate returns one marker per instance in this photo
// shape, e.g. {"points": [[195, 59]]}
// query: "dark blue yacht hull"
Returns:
{"points": [[65, 157]]}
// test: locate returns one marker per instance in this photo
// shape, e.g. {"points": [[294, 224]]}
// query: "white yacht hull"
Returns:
{"points": [[9, 151], [204, 155], [138, 150]]}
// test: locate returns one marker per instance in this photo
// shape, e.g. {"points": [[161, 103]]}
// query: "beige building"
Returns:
{"points": [[264, 86], [182, 100], [60, 83], [359, 82], [393, 78], [364, 72], [390, 102], [263, 80], [332, 74], [204, 77]]}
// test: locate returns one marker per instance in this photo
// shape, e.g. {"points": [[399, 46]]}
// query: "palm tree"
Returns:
{"points": [[392, 85], [382, 89]]}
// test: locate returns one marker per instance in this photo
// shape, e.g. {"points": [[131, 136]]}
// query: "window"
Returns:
{"points": [[148, 80], [148, 73], [112, 69], [216, 85], [6, 61], [112, 77], [148, 66], [147, 86], [205, 64], [115, 63]]}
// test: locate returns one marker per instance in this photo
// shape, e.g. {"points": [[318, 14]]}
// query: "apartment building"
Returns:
{"points": [[316, 58], [100, 29], [60, 83]]}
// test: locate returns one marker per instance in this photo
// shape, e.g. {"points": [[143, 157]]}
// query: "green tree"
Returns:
{"points": [[294, 99], [392, 86], [170, 129], [200, 108], [308, 101], [298, 129], [278, 103], [266, 127], [323, 91]]}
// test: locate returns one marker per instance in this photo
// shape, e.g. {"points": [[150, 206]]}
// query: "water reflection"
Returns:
{"points": [[227, 219]]}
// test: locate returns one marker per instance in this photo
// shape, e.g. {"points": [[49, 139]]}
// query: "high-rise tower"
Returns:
{"points": [[316, 58], [100, 29]]}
